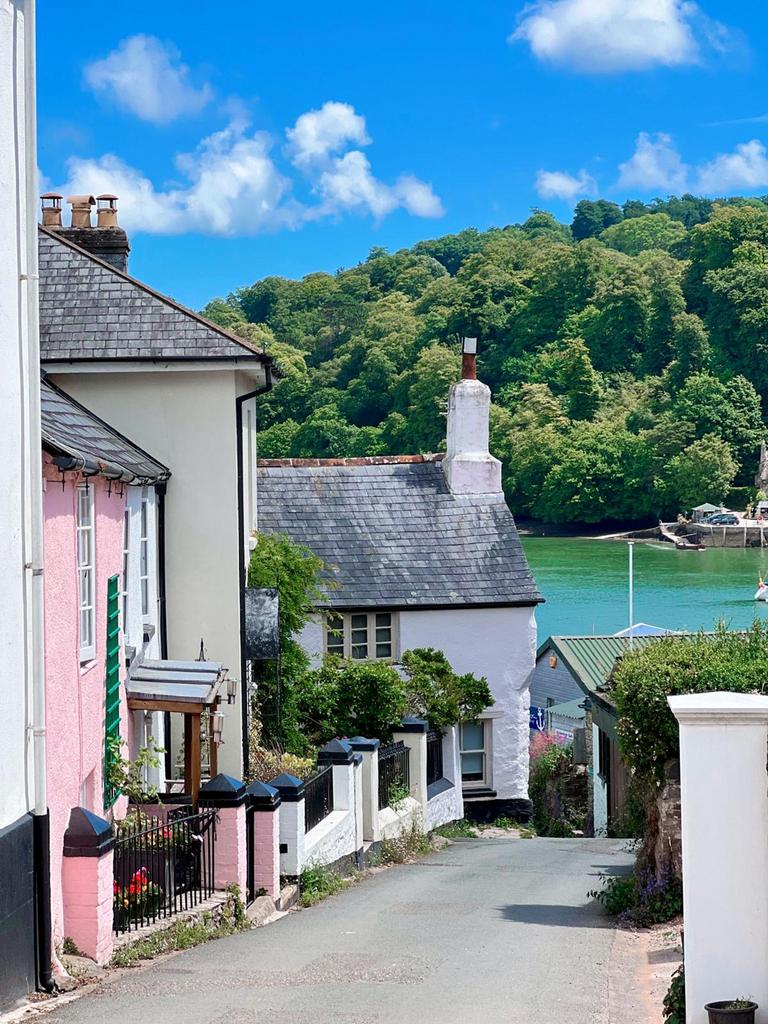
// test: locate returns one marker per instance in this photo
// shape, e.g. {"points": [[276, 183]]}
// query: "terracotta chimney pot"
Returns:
{"points": [[81, 210], [51, 202], [106, 211]]}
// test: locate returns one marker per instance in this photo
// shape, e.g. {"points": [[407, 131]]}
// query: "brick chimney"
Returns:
{"points": [[469, 466], [107, 240]]}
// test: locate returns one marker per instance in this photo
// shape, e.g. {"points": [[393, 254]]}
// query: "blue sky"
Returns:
{"points": [[250, 139]]}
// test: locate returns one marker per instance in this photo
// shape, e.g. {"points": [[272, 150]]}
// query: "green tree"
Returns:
{"points": [[592, 217], [579, 382], [650, 231], [690, 345], [704, 471]]}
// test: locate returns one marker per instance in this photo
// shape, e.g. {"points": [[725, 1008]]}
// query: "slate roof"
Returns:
{"points": [[77, 439], [91, 310], [393, 535]]}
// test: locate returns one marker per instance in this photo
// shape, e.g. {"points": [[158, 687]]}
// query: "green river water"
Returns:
{"points": [[585, 585]]}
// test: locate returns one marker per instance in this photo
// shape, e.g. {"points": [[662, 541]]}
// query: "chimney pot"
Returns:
{"points": [[106, 211], [51, 203], [81, 210], [469, 359]]}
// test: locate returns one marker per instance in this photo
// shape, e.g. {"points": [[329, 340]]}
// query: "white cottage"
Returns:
{"points": [[424, 552]]}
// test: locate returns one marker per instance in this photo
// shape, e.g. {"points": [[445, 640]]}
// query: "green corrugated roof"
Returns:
{"points": [[591, 659]]}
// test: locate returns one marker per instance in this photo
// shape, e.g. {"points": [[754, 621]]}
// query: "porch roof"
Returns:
{"points": [[183, 686]]}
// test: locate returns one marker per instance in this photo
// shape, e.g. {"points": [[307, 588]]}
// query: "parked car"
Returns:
{"points": [[722, 519]]}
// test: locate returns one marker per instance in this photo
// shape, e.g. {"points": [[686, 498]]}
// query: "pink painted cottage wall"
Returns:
{"points": [[75, 692]]}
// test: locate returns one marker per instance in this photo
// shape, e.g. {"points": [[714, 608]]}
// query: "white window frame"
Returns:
{"points": [[371, 623], [485, 750], [126, 567], [86, 569], [144, 555]]}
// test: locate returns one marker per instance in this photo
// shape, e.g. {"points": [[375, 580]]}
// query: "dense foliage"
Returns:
{"points": [[558, 792], [368, 698], [640, 901], [626, 353], [294, 570], [644, 678]]}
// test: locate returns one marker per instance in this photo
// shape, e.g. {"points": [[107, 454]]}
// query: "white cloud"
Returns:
{"points": [[346, 181], [604, 36], [744, 169], [145, 77], [234, 188], [319, 133], [349, 184], [655, 164], [561, 185]]}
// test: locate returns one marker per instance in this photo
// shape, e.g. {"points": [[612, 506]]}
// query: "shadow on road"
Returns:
{"points": [[556, 915]]}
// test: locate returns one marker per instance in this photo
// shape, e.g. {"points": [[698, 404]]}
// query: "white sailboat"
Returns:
{"points": [[761, 594]]}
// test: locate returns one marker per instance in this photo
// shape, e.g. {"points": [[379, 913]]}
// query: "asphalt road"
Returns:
{"points": [[482, 931]]}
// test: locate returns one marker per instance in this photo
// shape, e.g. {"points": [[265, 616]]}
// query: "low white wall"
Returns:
{"points": [[444, 807], [331, 840], [396, 821]]}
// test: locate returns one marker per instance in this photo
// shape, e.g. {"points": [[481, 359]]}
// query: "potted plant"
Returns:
{"points": [[731, 1011]]}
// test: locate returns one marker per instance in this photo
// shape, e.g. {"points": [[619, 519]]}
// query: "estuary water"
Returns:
{"points": [[585, 585]]}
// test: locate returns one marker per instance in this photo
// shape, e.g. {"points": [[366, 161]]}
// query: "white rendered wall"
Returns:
{"points": [[500, 644], [19, 375], [725, 860], [187, 419], [599, 789]]}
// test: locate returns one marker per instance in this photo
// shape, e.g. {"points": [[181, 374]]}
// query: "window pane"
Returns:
{"points": [[85, 588], [360, 651], [144, 597], [86, 638], [383, 635], [84, 507], [383, 650], [472, 737], [472, 767], [143, 519], [383, 619], [359, 621]]}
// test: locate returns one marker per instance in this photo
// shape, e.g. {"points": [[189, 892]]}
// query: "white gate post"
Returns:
{"points": [[724, 800]]}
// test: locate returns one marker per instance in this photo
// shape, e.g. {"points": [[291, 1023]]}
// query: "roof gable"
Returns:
{"points": [[91, 310], [73, 434], [394, 536]]}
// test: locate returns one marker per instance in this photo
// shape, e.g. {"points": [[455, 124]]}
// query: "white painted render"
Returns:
{"points": [[188, 421], [147, 726], [599, 790], [20, 374], [498, 643], [469, 466], [725, 862]]}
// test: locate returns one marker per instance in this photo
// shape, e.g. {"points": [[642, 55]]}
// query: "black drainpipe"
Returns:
{"points": [[241, 551], [41, 847]]}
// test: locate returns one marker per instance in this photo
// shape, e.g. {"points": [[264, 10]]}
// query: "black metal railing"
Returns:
{"points": [[434, 756], [318, 797], [162, 867], [394, 773]]}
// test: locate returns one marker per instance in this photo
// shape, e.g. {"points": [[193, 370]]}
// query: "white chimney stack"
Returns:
{"points": [[469, 466]]}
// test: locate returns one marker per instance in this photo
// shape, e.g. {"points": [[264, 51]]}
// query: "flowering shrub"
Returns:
{"points": [[640, 901], [140, 898], [541, 743]]}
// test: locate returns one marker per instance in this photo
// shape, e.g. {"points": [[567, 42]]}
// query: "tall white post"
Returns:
{"points": [[724, 798], [631, 546]]}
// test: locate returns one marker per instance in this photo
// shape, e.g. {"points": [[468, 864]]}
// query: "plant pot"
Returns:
{"points": [[720, 1013]]}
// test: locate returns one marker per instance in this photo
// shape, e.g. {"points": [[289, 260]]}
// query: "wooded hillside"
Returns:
{"points": [[626, 353]]}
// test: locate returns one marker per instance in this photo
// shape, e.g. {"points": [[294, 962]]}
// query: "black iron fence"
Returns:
{"points": [[162, 867], [434, 756], [318, 797], [394, 773]]}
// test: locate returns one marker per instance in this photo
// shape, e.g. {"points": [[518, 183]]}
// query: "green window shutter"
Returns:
{"points": [[112, 705]]}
